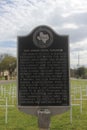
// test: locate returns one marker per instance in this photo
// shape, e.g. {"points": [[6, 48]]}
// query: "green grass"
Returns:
{"points": [[20, 121]]}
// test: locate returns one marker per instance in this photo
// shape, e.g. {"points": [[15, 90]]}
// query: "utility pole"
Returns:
{"points": [[78, 60]]}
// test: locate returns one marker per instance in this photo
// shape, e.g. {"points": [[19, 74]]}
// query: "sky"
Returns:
{"points": [[66, 17]]}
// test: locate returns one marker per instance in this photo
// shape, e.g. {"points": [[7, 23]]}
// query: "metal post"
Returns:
{"points": [[81, 99], [71, 110], [44, 119], [6, 113]]}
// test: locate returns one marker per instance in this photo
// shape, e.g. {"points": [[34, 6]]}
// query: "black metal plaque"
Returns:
{"points": [[43, 69]]}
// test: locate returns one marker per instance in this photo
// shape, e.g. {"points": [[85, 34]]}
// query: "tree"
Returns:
{"points": [[80, 72], [8, 63], [72, 72]]}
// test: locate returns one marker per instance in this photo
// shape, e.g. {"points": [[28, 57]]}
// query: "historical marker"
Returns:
{"points": [[43, 71]]}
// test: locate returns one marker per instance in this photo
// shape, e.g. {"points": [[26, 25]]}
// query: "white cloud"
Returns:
{"points": [[70, 26], [22, 16], [79, 46], [8, 50], [82, 59], [19, 17], [79, 49], [75, 6]]}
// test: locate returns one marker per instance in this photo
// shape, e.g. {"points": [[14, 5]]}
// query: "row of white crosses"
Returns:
{"points": [[6, 106], [75, 98], [7, 94], [10, 94]]}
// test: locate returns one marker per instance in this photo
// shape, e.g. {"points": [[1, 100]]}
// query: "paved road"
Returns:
{"points": [[7, 81]]}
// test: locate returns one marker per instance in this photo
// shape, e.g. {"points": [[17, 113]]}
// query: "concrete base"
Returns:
{"points": [[44, 129], [44, 119]]}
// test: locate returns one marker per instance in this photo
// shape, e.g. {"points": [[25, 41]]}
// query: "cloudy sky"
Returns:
{"points": [[66, 17]]}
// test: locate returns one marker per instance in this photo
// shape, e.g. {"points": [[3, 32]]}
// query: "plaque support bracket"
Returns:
{"points": [[44, 119]]}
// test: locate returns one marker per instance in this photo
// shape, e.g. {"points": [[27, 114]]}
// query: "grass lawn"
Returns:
{"points": [[21, 121]]}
